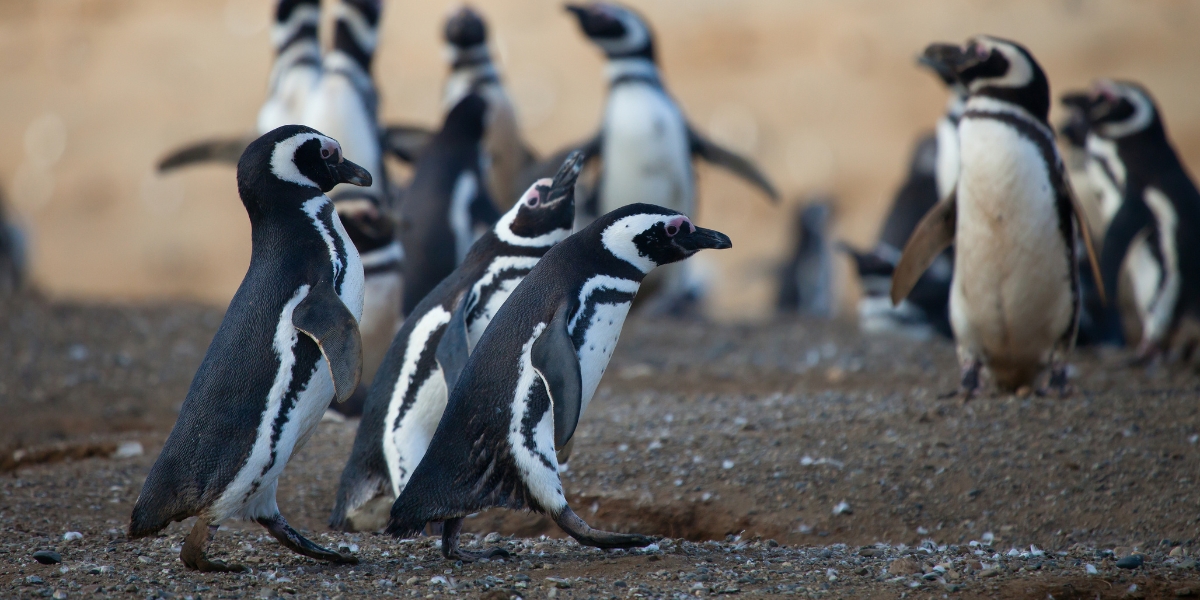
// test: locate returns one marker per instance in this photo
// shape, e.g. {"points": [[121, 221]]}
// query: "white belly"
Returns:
{"points": [[603, 330], [646, 154], [1145, 275], [408, 431], [538, 466], [1011, 296], [286, 104], [336, 110]]}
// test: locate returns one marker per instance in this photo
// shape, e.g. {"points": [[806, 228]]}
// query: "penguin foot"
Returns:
{"points": [[584, 534], [1058, 384], [968, 385], [451, 550], [193, 555], [1147, 353], [299, 544]]}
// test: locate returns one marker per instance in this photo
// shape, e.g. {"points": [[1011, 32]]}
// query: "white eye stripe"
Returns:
{"points": [[618, 238], [283, 158]]}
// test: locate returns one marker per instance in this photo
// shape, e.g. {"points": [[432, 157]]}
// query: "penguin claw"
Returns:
{"points": [[290, 538], [586, 535]]}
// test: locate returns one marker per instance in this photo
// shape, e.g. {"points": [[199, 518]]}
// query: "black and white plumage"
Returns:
{"points": [[1151, 207], [645, 143], [13, 253], [408, 396], [806, 282], [287, 346], [1015, 295], [519, 397], [447, 206]]}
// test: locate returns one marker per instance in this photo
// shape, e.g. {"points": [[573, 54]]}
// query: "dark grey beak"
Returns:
{"points": [[943, 70], [581, 11], [564, 180], [348, 172], [702, 239], [948, 59]]}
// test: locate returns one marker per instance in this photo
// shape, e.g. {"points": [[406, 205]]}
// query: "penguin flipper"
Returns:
{"points": [[553, 356], [738, 164], [1130, 219], [323, 317], [406, 142], [218, 150], [452, 349], [933, 234]]}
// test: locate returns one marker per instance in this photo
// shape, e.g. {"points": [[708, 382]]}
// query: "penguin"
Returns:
{"points": [[447, 204], [1153, 208], [806, 283], [13, 254], [1015, 295], [287, 346], [407, 397], [520, 393], [645, 143]]}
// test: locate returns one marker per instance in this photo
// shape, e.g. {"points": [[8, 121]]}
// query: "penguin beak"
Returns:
{"points": [[581, 11], [348, 172], [563, 185], [702, 239], [948, 59], [943, 70]]}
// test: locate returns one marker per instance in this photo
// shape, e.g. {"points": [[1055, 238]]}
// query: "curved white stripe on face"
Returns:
{"points": [[618, 238], [636, 37], [541, 480], [283, 163], [465, 190], [1143, 113], [300, 17], [630, 67], [503, 227], [1020, 71], [406, 436], [231, 501], [1163, 308], [364, 34], [1103, 153]]}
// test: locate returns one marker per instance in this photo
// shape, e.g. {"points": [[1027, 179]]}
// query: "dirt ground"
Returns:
{"points": [[736, 443]]}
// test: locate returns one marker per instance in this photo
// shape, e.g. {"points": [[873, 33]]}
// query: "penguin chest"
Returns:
{"points": [[646, 154], [492, 290], [417, 400], [1012, 290], [290, 89], [946, 167], [595, 327]]}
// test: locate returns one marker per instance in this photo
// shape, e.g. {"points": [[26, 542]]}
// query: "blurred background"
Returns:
{"points": [[824, 94]]}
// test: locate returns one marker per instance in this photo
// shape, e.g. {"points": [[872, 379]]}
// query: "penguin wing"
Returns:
{"points": [[483, 209], [452, 349], [406, 142], [323, 317], [1131, 218], [1066, 194], [553, 356], [740, 165], [217, 150], [933, 234]]}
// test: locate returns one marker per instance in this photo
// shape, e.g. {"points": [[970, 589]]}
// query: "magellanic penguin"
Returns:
{"points": [[1154, 207], [409, 394], [1014, 300], [447, 206], [645, 142], [288, 345], [521, 392], [806, 283]]}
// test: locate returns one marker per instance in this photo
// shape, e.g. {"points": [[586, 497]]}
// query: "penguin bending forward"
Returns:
{"points": [[1015, 294], [287, 346], [408, 396], [519, 396]]}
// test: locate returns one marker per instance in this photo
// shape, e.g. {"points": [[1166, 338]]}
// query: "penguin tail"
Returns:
{"points": [[357, 497], [227, 151]]}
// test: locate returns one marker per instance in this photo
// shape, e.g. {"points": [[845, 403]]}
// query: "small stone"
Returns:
{"points": [[47, 557], [1132, 561], [869, 552], [904, 566], [34, 580], [619, 584], [953, 587], [71, 536], [411, 581], [129, 450], [842, 508], [491, 538], [59, 595], [132, 589], [1177, 552], [1183, 592], [989, 572]]}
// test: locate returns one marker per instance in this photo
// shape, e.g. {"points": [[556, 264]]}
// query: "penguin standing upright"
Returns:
{"points": [[521, 392], [447, 204], [1015, 297], [408, 396], [288, 345], [645, 142], [13, 255], [1153, 208]]}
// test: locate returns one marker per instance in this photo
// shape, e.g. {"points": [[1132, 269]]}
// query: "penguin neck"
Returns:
{"points": [[338, 62], [632, 69], [467, 78], [986, 104], [469, 56], [504, 233], [956, 104]]}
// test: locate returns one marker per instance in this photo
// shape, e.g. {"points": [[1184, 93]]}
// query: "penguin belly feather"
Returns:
{"points": [[646, 154]]}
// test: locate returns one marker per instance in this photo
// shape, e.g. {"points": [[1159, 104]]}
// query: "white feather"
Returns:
{"points": [[618, 238], [1162, 311], [542, 481], [466, 187]]}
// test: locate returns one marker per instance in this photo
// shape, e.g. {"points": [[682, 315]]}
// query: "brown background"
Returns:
{"points": [[824, 93]]}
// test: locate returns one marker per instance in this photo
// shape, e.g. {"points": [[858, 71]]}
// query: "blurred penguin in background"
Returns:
{"points": [[13, 256], [806, 281]]}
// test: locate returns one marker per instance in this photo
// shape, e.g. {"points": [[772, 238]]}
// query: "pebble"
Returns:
{"points": [[989, 572], [1132, 561], [1183, 592], [34, 580], [47, 557], [903, 566], [71, 536]]}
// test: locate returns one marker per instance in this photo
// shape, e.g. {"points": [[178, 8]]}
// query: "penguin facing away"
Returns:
{"points": [[521, 392], [409, 394], [287, 346], [1015, 296], [1154, 207], [447, 206]]}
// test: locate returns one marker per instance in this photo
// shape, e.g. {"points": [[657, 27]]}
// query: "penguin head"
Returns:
{"points": [[546, 212], [619, 31], [1076, 126], [1117, 109], [293, 158], [990, 66], [466, 38], [648, 236]]}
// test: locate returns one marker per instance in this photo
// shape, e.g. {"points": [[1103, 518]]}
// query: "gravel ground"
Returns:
{"points": [[794, 458]]}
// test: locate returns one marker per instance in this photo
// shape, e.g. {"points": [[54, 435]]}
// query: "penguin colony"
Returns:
{"points": [[480, 303]]}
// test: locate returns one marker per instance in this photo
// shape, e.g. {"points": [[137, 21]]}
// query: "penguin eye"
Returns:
{"points": [[672, 230], [533, 200], [325, 153]]}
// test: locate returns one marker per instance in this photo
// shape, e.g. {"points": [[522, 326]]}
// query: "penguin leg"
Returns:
{"points": [[450, 549], [279, 528], [584, 534], [969, 381], [193, 556]]}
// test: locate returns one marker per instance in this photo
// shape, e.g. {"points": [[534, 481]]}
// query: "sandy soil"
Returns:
{"points": [[700, 433]]}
